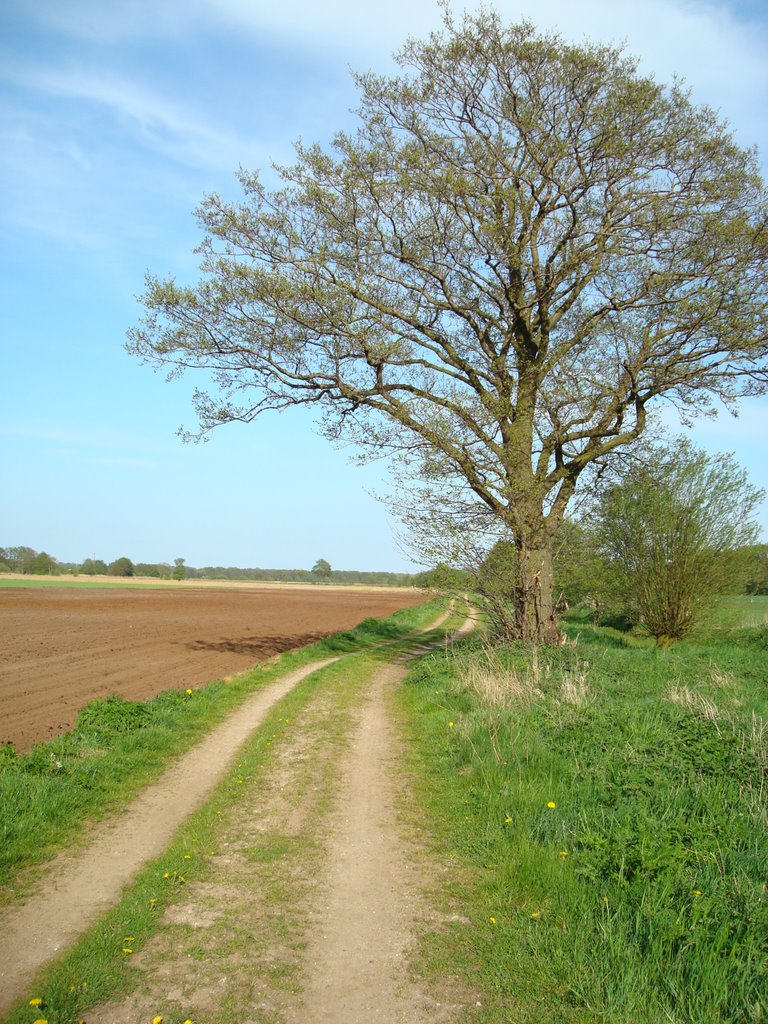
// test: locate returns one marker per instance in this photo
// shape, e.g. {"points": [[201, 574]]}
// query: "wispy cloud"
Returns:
{"points": [[160, 123], [720, 54]]}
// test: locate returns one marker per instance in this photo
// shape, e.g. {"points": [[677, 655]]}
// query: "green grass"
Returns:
{"points": [[66, 581], [120, 746], [640, 897]]}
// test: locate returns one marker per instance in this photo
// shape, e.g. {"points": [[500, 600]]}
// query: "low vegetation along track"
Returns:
{"points": [[329, 798]]}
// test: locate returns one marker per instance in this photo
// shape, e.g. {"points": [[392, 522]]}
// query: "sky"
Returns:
{"points": [[115, 121]]}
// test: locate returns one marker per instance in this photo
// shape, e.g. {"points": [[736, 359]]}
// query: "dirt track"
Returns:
{"points": [[60, 648], [362, 929]]}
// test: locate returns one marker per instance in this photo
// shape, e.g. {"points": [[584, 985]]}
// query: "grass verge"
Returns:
{"points": [[606, 803], [133, 948], [120, 746]]}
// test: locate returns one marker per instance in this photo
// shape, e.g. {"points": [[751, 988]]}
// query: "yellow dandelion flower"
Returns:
{"points": [[39, 1021], [166, 874], [492, 920], [37, 1001], [157, 1020], [189, 692], [563, 853], [697, 892], [450, 725], [187, 856], [535, 914], [551, 804], [152, 901], [129, 938], [605, 899], [507, 821], [127, 950], [188, 1021]]}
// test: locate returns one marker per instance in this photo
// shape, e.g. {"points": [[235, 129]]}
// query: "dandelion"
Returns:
{"points": [[188, 1021], [37, 1001], [507, 821], [39, 1021], [551, 805], [535, 914], [697, 892], [152, 901], [126, 949], [167, 874], [189, 692], [605, 899], [128, 939], [157, 1020], [450, 725], [563, 853], [187, 856], [492, 920]]}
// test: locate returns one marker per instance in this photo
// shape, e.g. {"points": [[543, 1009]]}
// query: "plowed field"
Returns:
{"points": [[60, 648]]}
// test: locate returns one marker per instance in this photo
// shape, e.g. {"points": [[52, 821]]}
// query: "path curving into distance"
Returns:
{"points": [[372, 906]]}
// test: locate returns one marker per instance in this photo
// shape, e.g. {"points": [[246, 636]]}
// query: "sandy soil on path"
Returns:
{"points": [[82, 884]]}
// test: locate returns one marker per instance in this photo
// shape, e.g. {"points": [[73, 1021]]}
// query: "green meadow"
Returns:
{"points": [[67, 581]]}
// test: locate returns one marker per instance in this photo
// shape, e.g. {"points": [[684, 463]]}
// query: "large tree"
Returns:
{"points": [[523, 245]]}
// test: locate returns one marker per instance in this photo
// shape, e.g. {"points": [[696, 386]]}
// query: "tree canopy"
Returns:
{"points": [[321, 570], [677, 530], [121, 567], [524, 244]]}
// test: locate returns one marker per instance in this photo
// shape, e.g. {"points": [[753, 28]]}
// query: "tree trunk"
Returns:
{"points": [[533, 594]]}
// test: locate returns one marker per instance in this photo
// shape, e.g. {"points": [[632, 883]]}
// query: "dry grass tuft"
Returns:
{"points": [[574, 688], [696, 702], [500, 686]]}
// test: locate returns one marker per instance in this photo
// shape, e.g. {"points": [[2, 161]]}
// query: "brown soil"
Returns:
{"points": [[61, 647]]}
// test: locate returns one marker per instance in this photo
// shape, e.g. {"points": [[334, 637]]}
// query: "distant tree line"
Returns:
{"points": [[27, 561]]}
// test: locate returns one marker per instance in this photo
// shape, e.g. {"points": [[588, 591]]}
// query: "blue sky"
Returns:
{"points": [[115, 120]]}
